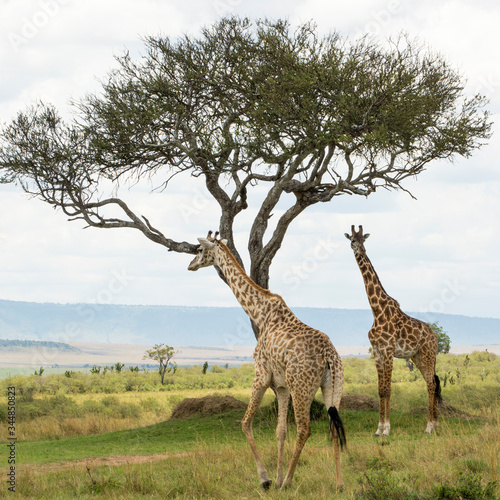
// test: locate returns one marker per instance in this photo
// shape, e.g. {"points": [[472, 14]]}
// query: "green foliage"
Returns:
{"points": [[204, 368], [162, 354], [40, 371], [469, 485], [479, 380], [442, 338], [119, 366], [38, 344], [56, 406], [99, 381], [217, 369], [379, 483], [249, 103]]}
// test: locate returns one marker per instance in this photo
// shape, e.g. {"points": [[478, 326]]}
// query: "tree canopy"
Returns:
{"points": [[444, 341], [306, 117], [163, 354]]}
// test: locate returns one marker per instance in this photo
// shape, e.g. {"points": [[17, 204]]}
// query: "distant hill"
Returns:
{"points": [[203, 326], [13, 344]]}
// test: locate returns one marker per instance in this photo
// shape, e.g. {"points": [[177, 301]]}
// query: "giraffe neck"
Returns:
{"points": [[254, 299], [379, 299]]}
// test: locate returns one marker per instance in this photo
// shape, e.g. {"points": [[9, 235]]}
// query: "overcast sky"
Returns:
{"points": [[440, 252]]}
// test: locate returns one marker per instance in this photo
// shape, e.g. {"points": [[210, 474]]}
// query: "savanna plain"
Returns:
{"points": [[109, 435]]}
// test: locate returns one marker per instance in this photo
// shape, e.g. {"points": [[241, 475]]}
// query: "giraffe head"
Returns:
{"points": [[207, 251], [357, 239]]}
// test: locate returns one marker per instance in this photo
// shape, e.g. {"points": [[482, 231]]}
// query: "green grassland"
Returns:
{"points": [[110, 436]]}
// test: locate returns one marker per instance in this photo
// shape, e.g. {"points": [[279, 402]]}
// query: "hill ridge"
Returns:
{"points": [[203, 325]]}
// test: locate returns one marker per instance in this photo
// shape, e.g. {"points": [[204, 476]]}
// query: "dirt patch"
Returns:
{"points": [[209, 405], [358, 402], [446, 410]]}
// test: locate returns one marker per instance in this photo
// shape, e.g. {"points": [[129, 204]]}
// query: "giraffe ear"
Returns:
{"points": [[224, 241], [366, 236], [348, 236], [206, 243]]}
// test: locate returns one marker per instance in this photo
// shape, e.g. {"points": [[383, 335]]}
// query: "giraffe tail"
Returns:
{"points": [[336, 426], [437, 390]]}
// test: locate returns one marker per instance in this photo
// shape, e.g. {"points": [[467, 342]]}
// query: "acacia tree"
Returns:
{"points": [[163, 354], [443, 339], [306, 117]]}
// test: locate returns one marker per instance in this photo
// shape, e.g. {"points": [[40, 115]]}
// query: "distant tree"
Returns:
{"points": [[119, 366], [40, 372], [205, 368], [162, 353], [442, 338], [301, 117], [95, 370]]}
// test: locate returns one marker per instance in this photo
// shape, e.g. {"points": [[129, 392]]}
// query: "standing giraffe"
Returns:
{"points": [[290, 357], [395, 334]]}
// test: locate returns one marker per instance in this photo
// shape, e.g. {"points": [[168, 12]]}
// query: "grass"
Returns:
{"points": [[174, 436], [88, 445], [209, 458]]}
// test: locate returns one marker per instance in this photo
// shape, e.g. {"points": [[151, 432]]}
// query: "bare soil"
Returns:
{"points": [[209, 405], [358, 402]]}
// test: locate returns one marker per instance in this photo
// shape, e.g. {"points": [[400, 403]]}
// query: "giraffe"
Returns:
{"points": [[290, 357], [395, 334]]}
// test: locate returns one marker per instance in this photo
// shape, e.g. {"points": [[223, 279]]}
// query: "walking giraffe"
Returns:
{"points": [[395, 334], [290, 357]]}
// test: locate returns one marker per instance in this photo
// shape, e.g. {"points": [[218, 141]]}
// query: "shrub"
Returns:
{"points": [[378, 483], [469, 485]]}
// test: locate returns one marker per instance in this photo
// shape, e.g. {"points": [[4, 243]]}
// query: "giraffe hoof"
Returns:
{"points": [[266, 484]]}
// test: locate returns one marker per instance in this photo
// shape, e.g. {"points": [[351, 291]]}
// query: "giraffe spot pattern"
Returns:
{"points": [[394, 333]]}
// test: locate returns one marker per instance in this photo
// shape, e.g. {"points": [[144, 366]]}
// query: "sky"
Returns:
{"points": [[439, 252]]}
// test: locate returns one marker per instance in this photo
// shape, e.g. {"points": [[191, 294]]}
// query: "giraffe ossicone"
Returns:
{"points": [[395, 334], [291, 358]]}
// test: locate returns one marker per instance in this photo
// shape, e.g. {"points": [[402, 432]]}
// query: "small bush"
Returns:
{"points": [[469, 486], [378, 483]]}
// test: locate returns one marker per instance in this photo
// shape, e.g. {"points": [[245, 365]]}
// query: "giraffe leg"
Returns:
{"points": [[258, 390], [380, 374], [426, 364], [301, 408], [282, 395], [384, 365]]}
